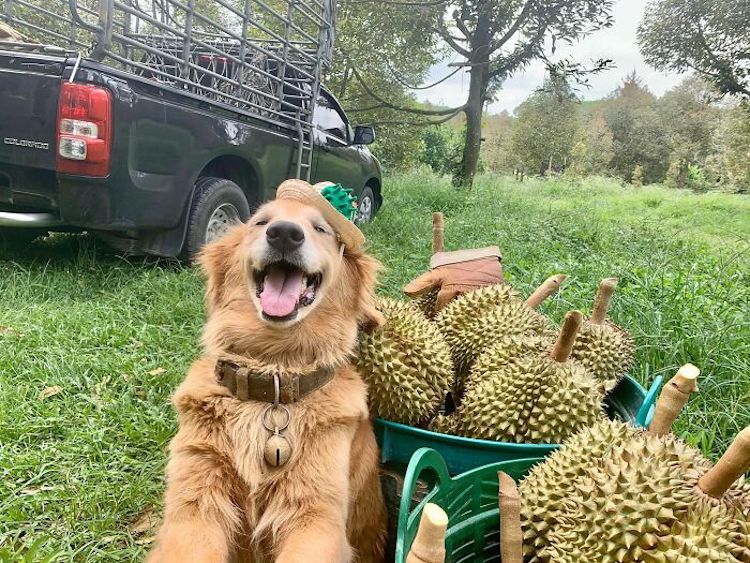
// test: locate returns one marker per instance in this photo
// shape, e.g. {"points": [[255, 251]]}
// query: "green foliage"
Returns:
{"points": [[442, 148], [496, 150], [637, 134], [696, 178], [406, 48], [543, 134], [637, 177], [592, 153], [735, 150], [708, 36]]}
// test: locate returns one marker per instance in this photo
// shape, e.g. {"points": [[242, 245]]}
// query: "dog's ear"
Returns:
{"points": [[217, 260], [367, 269]]}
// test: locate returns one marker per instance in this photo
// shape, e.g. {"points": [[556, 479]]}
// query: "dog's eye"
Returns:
{"points": [[261, 223], [320, 229]]}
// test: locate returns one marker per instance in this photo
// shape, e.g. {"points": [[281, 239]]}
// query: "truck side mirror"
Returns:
{"points": [[364, 135]]}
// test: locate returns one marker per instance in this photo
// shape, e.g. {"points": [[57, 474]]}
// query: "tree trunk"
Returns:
{"points": [[344, 81], [475, 104]]}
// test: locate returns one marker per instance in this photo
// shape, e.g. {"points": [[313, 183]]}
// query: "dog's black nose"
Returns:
{"points": [[285, 236]]}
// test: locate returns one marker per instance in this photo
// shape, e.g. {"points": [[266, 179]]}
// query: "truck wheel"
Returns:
{"points": [[218, 205], [365, 206]]}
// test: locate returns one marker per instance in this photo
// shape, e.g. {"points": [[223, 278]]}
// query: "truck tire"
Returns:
{"points": [[366, 206], [218, 205]]}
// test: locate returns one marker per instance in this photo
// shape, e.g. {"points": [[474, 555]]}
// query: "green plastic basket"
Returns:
{"points": [[469, 499], [629, 401]]}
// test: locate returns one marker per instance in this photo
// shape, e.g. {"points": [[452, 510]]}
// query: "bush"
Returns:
{"points": [[441, 149], [696, 178]]}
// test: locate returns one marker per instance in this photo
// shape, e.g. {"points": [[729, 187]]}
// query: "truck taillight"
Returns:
{"points": [[84, 130]]}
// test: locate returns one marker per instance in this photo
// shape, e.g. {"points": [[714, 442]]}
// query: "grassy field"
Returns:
{"points": [[91, 345]]}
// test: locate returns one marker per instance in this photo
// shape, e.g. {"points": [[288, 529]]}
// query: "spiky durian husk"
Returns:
{"points": [[614, 493], [406, 365], [550, 483], [709, 532], [624, 503], [527, 398], [477, 319], [443, 423], [427, 303], [499, 354], [605, 350]]}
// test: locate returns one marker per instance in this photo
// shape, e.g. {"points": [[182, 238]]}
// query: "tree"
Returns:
{"points": [[496, 39], [592, 151], [543, 135], [709, 37], [406, 49], [689, 122], [735, 146], [496, 148], [638, 137]]}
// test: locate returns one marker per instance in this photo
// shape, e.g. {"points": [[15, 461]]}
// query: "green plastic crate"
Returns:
{"points": [[628, 401], [469, 499]]}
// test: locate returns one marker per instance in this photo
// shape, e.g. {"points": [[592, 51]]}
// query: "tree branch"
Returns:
{"points": [[520, 56], [396, 2], [389, 105], [410, 87], [520, 20], [425, 123], [461, 25], [450, 40]]}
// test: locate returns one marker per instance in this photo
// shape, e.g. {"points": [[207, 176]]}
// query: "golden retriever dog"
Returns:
{"points": [[282, 290]]}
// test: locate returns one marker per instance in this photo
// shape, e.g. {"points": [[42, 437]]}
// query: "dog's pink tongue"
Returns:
{"points": [[281, 291]]}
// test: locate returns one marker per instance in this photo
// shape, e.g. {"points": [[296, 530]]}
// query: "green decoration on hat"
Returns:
{"points": [[342, 199]]}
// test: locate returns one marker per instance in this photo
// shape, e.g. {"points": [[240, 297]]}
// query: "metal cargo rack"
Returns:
{"points": [[262, 58]]}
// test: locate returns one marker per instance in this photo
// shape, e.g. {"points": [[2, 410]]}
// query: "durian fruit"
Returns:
{"points": [[427, 303], [616, 493], [477, 319], [443, 424], [644, 501], [548, 485], [406, 365], [605, 349], [520, 395]]}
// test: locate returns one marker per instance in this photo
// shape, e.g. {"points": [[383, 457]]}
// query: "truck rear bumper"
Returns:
{"points": [[29, 220]]}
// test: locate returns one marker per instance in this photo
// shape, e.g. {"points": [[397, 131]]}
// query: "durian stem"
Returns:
{"points": [[564, 344], [732, 465], [672, 398], [438, 233], [511, 536], [603, 298], [429, 543], [550, 286]]}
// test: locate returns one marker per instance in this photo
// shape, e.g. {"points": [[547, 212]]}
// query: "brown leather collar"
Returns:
{"points": [[251, 381]]}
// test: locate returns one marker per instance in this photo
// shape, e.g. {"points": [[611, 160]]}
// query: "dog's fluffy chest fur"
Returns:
{"points": [[266, 494]]}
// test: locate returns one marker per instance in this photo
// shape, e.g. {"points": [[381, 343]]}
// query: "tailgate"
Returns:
{"points": [[29, 90]]}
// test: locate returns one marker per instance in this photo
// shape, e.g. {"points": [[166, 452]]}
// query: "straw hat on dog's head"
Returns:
{"points": [[299, 190]]}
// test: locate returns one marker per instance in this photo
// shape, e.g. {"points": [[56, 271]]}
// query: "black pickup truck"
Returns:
{"points": [[160, 146]]}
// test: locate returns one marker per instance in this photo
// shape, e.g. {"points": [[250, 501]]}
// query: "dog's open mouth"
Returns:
{"points": [[283, 288]]}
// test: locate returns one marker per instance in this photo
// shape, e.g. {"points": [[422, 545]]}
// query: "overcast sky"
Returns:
{"points": [[617, 43]]}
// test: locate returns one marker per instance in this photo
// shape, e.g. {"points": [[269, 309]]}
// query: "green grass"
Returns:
{"points": [[79, 468]]}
